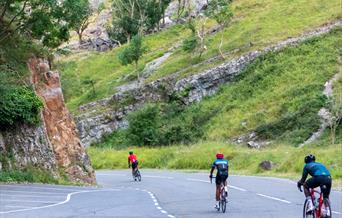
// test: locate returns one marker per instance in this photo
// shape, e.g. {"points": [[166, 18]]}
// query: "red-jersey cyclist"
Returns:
{"points": [[132, 159]]}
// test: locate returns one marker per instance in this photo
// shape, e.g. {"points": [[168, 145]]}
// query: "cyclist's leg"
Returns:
{"points": [[310, 183], [218, 187], [327, 186]]}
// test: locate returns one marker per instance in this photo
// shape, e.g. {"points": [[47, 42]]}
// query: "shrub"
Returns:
{"points": [[18, 105]]}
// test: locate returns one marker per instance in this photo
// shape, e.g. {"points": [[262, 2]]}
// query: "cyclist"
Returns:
{"points": [[132, 158], [320, 177], [222, 167]]}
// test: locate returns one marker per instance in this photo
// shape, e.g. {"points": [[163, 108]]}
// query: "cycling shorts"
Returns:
{"points": [[320, 181], [134, 165], [220, 178]]}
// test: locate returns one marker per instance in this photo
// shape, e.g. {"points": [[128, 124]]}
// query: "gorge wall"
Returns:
{"points": [[52, 146], [105, 116]]}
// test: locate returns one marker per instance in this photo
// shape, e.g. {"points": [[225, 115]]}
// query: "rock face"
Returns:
{"points": [[61, 130], [27, 146], [107, 115]]}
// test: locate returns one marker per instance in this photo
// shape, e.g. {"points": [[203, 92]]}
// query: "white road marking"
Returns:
{"points": [[233, 187], [237, 188], [160, 177], [273, 198], [29, 201], [47, 188], [197, 180], [15, 206], [163, 211], [58, 203], [171, 216], [159, 208], [34, 196], [156, 204], [335, 212], [24, 192]]}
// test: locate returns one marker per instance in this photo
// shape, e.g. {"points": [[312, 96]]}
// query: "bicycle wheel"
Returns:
{"points": [[306, 214], [326, 209], [223, 201], [138, 176]]}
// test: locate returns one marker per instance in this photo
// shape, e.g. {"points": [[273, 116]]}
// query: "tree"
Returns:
{"points": [[221, 12], [38, 19], [335, 103], [133, 52], [196, 42], [78, 14], [132, 17]]}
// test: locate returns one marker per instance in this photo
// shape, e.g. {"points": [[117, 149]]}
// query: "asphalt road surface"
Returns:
{"points": [[160, 194]]}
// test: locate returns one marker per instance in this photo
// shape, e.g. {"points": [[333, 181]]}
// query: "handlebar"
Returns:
{"points": [[300, 188], [211, 178]]}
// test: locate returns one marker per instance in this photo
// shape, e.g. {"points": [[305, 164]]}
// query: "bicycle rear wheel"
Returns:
{"points": [[138, 176], [306, 214], [223, 201], [326, 209]]}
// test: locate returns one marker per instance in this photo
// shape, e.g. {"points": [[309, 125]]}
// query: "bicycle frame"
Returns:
{"points": [[318, 208]]}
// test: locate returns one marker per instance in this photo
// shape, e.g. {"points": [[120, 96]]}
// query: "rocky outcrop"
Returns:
{"points": [[107, 115], [26, 146], [324, 114], [61, 130]]}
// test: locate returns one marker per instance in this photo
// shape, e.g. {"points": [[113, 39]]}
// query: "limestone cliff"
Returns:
{"points": [[62, 137]]}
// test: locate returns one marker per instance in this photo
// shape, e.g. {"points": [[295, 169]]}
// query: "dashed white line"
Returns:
{"points": [[157, 204], [273, 198], [335, 212], [237, 188], [160, 177], [163, 211]]}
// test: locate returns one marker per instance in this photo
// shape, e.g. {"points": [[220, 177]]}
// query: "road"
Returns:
{"points": [[160, 194]]}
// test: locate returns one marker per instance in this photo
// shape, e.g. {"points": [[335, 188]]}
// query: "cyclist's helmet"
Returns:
{"points": [[219, 156], [309, 158], [130, 152]]}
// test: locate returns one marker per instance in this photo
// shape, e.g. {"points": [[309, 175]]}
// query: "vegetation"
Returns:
{"points": [[288, 160], [277, 96], [255, 25]]}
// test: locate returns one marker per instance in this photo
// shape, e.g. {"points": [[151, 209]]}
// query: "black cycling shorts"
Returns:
{"points": [[220, 178], [320, 181], [134, 165]]}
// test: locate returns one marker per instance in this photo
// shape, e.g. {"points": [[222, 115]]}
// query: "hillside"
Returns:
{"points": [[255, 25], [266, 94]]}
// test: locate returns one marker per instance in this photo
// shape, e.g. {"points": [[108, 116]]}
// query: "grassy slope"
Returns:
{"points": [[259, 22], [273, 88]]}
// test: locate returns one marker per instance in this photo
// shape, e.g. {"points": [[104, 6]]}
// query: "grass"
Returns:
{"points": [[288, 160], [277, 96], [259, 23]]}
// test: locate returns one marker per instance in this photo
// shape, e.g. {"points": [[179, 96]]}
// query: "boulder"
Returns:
{"points": [[266, 165]]}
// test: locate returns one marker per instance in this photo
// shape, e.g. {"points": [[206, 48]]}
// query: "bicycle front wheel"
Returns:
{"points": [[223, 205], [306, 214], [326, 209]]}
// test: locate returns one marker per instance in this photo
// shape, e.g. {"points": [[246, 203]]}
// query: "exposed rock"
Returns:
{"points": [[106, 116], [61, 129], [324, 113], [266, 165], [27, 146]]}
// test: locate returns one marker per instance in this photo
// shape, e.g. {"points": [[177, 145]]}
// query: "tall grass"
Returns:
{"points": [[288, 160]]}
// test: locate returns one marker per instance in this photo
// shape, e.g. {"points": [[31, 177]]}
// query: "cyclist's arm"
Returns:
{"points": [[304, 176], [129, 163], [228, 170]]}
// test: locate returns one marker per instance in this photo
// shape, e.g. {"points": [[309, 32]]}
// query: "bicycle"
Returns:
{"points": [[322, 208], [137, 175], [223, 197]]}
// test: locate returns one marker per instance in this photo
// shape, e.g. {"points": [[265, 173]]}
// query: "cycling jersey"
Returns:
{"points": [[221, 165], [315, 169], [132, 158]]}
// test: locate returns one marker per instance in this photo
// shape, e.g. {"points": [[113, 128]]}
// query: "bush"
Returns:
{"points": [[18, 105]]}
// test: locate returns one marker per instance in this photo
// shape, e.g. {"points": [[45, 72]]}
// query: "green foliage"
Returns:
{"points": [[143, 126], [18, 105], [191, 43], [133, 52], [132, 17], [77, 13], [220, 11], [29, 175]]}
